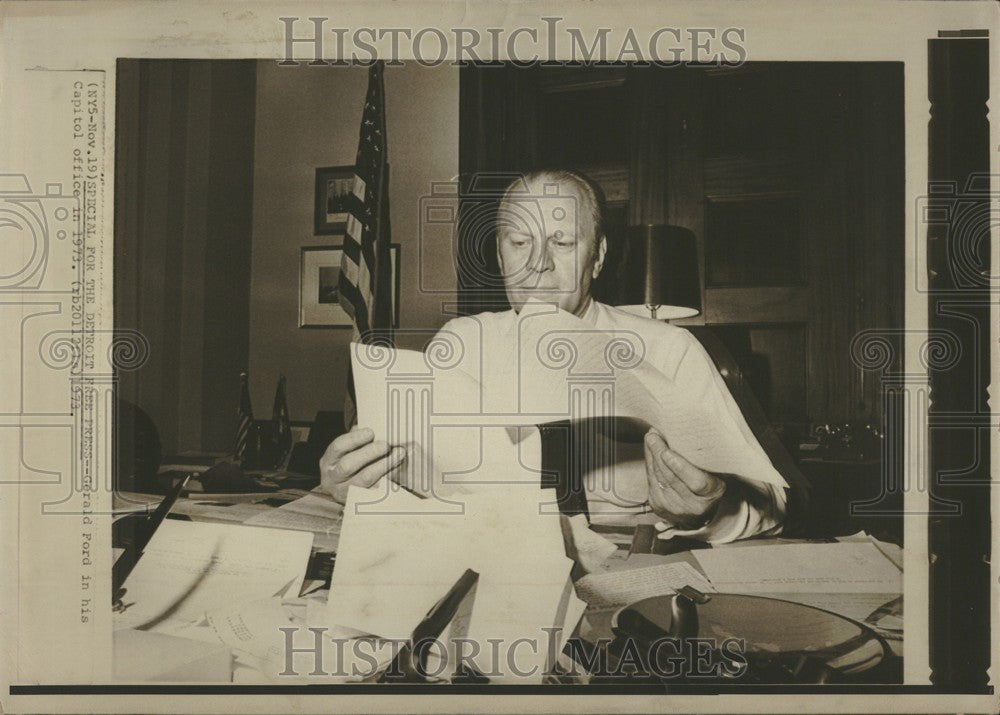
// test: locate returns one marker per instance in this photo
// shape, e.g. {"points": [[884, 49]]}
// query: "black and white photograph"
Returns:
{"points": [[334, 192], [319, 287], [655, 377], [736, 231]]}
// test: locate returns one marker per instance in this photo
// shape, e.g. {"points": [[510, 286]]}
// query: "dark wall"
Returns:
{"points": [[183, 222]]}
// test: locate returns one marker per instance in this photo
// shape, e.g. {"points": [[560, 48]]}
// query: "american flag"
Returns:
{"points": [[282, 422], [244, 421], [366, 243], [364, 269]]}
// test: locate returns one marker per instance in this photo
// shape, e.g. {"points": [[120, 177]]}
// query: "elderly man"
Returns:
{"points": [[555, 259]]}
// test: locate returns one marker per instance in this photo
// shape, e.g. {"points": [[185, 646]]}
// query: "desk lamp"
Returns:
{"points": [[658, 277]]}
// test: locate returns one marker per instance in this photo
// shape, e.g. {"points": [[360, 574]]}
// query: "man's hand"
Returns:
{"points": [[356, 458], [679, 492], [419, 474]]}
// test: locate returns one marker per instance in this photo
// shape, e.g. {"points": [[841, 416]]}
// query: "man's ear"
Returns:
{"points": [[602, 249]]}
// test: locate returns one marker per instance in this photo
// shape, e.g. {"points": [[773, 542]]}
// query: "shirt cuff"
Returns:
{"points": [[728, 524]]}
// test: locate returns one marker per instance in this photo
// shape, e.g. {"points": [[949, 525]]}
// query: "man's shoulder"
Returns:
{"points": [[487, 319], [612, 318]]}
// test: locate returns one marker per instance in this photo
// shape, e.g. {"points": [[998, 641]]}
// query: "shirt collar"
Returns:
{"points": [[590, 314]]}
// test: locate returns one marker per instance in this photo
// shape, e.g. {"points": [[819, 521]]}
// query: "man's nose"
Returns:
{"points": [[542, 260]]}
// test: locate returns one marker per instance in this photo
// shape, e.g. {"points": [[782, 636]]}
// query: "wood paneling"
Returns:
{"points": [[753, 242], [752, 174], [831, 234], [648, 159], [778, 304]]}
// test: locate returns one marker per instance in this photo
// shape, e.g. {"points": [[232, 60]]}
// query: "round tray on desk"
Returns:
{"points": [[779, 640]]}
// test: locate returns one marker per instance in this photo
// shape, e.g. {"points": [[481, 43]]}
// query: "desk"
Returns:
{"points": [[307, 605]]}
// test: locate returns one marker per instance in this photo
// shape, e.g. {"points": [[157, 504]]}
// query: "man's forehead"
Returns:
{"points": [[547, 191], [546, 186]]}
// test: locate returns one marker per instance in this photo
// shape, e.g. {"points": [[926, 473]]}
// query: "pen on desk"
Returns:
{"points": [[162, 510], [146, 532]]}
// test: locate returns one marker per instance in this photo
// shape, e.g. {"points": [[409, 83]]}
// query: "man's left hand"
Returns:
{"points": [[679, 492]]}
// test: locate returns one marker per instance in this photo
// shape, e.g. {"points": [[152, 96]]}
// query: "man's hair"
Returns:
{"points": [[583, 183]]}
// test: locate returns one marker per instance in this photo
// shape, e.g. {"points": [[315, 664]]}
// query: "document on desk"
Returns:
{"points": [[252, 627], [189, 568], [616, 589], [801, 568], [315, 513]]}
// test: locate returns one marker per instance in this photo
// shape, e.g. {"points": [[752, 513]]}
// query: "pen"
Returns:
{"points": [[143, 535]]}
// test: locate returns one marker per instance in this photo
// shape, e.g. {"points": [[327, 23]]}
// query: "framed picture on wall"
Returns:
{"points": [[335, 191], [319, 292]]}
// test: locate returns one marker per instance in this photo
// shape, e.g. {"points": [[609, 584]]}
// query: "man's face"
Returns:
{"points": [[547, 247]]}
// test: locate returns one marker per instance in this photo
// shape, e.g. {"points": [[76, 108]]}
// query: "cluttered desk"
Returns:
{"points": [[286, 586]]}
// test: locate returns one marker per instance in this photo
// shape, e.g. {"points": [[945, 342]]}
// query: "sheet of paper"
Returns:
{"points": [[893, 552], [313, 512], [189, 568], [587, 547], [371, 368], [558, 348], [403, 416], [219, 511], [252, 627], [615, 589], [801, 568], [396, 563], [393, 563]]}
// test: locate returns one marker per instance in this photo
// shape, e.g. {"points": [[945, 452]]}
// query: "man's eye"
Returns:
{"points": [[518, 242]]}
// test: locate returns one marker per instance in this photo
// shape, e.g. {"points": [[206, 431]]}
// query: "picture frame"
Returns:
{"points": [[319, 275], [335, 186]]}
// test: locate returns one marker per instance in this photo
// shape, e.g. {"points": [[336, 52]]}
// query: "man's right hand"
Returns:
{"points": [[356, 458]]}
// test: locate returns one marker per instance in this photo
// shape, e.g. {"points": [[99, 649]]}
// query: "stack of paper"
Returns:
{"points": [[399, 555], [852, 579]]}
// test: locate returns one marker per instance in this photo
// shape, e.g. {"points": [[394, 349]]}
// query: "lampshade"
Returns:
{"points": [[659, 273]]}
